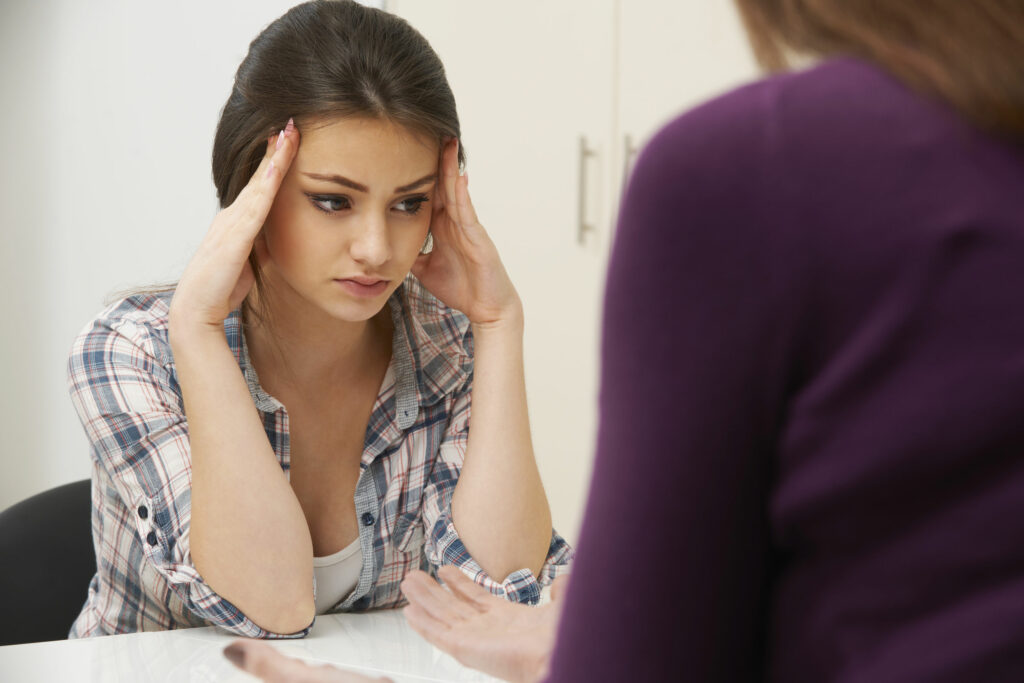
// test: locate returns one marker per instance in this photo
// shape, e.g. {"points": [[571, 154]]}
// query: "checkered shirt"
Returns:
{"points": [[124, 387]]}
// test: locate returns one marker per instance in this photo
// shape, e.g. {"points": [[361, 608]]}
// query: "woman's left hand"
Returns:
{"points": [[464, 270]]}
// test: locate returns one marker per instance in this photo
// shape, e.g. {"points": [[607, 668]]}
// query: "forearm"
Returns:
{"points": [[249, 537], [499, 507]]}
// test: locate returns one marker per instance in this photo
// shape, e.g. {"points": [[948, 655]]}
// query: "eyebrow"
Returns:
{"points": [[342, 180]]}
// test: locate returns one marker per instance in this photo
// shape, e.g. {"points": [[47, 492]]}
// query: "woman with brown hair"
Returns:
{"points": [[810, 464], [322, 404]]}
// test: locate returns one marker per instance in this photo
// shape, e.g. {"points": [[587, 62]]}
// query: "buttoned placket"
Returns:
{"points": [[403, 404]]}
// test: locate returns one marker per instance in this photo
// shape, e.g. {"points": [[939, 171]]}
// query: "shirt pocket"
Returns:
{"points": [[407, 536]]}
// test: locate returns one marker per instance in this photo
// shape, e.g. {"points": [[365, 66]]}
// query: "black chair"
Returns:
{"points": [[46, 563]]}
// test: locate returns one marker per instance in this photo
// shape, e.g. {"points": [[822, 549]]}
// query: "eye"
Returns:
{"points": [[329, 203], [412, 205]]}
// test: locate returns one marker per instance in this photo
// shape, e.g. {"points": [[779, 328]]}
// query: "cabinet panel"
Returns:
{"points": [[672, 56], [530, 79]]}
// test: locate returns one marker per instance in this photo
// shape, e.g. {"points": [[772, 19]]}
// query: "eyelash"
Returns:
{"points": [[316, 199]]}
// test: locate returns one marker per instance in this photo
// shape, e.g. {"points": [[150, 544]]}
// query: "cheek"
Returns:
{"points": [[413, 237]]}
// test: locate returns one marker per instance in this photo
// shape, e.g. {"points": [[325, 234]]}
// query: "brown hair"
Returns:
{"points": [[322, 60], [968, 52], [326, 59]]}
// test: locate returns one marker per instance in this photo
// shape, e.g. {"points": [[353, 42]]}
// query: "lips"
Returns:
{"points": [[365, 281], [362, 286]]}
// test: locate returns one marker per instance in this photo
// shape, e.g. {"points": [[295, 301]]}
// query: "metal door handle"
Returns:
{"points": [[629, 151], [584, 227]]}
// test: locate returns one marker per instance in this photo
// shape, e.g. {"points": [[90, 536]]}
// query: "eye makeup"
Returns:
{"points": [[336, 203]]}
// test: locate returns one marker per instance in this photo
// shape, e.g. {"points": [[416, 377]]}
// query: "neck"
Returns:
{"points": [[297, 345]]}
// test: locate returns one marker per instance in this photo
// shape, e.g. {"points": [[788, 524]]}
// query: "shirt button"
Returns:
{"points": [[151, 538], [368, 519], [143, 512]]}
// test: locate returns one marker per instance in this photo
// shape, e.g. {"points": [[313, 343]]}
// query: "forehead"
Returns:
{"points": [[364, 143]]}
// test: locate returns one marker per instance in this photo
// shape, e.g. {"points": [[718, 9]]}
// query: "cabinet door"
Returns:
{"points": [[674, 54], [531, 78]]}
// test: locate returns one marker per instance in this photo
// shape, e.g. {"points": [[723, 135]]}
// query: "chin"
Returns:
{"points": [[355, 312]]}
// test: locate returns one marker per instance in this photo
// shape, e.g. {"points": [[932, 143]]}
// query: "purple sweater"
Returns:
{"points": [[810, 461]]}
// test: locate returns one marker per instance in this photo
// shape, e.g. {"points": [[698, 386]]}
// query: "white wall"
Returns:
{"points": [[109, 114], [105, 183]]}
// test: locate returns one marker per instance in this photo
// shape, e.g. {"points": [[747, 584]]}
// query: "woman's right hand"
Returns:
{"points": [[219, 276]]}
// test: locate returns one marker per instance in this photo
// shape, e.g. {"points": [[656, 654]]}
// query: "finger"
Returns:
{"points": [[466, 211], [422, 590], [433, 631], [439, 188], [439, 222], [264, 662], [450, 173], [467, 589], [435, 598], [256, 198]]}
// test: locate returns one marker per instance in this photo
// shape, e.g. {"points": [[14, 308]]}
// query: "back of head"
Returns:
{"points": [[970, 53], [326, 59]]}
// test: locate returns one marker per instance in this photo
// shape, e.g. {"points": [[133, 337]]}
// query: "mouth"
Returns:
{"points": [[363, 286]]}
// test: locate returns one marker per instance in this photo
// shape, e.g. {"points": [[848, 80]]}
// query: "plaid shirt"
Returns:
{"points": [[123, 384]]}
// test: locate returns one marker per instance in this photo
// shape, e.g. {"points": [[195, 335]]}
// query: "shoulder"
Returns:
{"points": [[137, 322], [841, 103], [828, 134]]}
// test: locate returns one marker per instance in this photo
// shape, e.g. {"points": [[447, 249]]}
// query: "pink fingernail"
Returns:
{"points": [[280, 139], [291, 125], [270, 169]]}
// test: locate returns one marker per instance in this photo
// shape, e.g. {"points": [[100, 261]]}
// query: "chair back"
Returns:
{"points": [[47, 563]]}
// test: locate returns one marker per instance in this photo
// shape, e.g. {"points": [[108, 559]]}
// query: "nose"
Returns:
{"points": [[370, 244]]}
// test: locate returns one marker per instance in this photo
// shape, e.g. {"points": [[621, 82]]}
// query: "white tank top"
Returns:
{"points": [[337, 575]]}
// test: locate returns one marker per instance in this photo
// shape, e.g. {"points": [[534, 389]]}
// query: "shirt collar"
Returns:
{"points": [[431, 352]]}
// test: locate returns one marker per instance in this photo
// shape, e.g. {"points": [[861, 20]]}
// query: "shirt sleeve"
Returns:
{"points": [[443, 545], [674, 550], [133, 414]]}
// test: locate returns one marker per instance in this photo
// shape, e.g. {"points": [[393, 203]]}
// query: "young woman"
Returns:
{"points": [[321, 405], [832, 402]]}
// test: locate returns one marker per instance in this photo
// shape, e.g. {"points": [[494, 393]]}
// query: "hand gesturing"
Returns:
{"points": [[501, 638]]}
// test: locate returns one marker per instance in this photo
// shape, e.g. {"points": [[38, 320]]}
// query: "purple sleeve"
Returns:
{"points": [[668, 582]]}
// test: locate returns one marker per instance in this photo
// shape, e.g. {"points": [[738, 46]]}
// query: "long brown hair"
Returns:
{"points": [[326, 59], [968, 52], [319, 61]]}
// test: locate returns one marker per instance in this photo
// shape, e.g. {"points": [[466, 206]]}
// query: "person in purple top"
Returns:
{"points": [[810, 462]]}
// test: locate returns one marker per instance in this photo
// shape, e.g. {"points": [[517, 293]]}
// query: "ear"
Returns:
{"points": [[259, 248]]}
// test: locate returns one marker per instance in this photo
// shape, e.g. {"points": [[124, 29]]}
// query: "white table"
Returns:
{"points": [[377, 644]]}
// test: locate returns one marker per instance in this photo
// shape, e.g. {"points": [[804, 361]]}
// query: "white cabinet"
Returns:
{"points": [[548, 91]]}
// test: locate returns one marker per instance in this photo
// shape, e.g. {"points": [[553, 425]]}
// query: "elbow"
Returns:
{"points": [[287, 618]]}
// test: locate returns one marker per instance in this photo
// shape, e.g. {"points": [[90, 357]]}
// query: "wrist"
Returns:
{"points": [[185, 331], [509, 319]]}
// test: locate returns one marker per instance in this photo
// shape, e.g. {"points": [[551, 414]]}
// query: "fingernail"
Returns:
{"points": [[235, 654], [291, 126], [280, 139], [270, 169]]}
